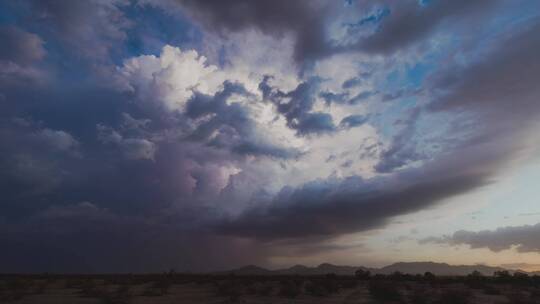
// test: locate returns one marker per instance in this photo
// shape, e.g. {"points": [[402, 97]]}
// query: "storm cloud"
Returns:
{"points": [[296, 106], [24, 47], [401, 25], [523, 238], [212, 148], [408, 23]]}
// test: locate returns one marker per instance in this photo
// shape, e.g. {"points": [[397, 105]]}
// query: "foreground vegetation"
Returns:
{"points": [[172, 287]]}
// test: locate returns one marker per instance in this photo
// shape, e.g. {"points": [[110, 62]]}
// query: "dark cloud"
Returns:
{"points": [[132, 148], [23, 48], [331, 97], [524, 238], [296, 106], [83, 145], [35, 160], [402, 149], [410, 22], [336, 207], [92, 28], [399, 24], [264, 149], [479, 88], [352, 121], [147, 176], [84, 166], [352, 82], [83, 237], [314, 123], [345, 98], [70, 189], [304, 19], [270, 16], [361, 96], [237, 130], [20, 58]]}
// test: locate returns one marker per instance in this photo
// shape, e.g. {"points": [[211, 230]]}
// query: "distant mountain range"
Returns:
{"points": [[403, 267], [438, 268]]}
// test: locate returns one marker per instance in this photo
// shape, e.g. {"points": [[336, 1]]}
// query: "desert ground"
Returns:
{"points": [[172, 288]]}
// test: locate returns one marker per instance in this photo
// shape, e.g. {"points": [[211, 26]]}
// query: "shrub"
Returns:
{"points": [[518, 297], [109, 298], [348, 283], [502, 276], [74, 283], [455, 296], [265, 289], [41, 287], [89, 289], [419, 296], [383, 290], [289, 289], [535, 293], [362, 274], [330, 283], [231, 289], [397, 275], [162, 285], [315, 289], [151, 292], [429, 276], [491, 290], [16, 289]]}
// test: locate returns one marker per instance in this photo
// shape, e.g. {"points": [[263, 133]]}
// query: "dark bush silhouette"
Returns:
{"points": [[535, 294], [384, 290], [502, 276], [429, 276], [519, 288], [264, 289], [397, 275], [231, 289], [520, 297], [475, 280], [16, 289], [348, 283], [520, 278], [89, 289], [475, 275], [315, 289], [362, 274], [420, 295], [331, 283], [162, 285], [490, 289], [455, 296], [289, 289]]}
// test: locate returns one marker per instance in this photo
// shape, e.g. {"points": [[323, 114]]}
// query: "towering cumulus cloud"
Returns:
{"points": [[209, 134]]}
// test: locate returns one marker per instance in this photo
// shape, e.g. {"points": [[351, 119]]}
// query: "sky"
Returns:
{"points": [[200, 135]]}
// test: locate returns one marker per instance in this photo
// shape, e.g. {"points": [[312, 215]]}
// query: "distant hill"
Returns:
{"points": [[324, 268], [296, 269], [403, 267], [437, 268], [250, 270], [341, 270]]}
